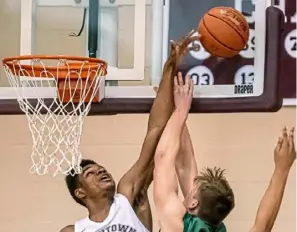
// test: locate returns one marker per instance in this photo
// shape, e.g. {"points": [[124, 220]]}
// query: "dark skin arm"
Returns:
{"points": [[136, 181], [69, 228]]}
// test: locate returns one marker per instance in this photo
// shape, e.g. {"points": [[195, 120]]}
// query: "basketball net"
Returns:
{"points": [[56, 100]]}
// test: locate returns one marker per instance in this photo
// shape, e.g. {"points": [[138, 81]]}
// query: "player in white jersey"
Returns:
{"points": [[126, 207]]}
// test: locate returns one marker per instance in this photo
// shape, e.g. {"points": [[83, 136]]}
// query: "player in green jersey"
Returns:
{"points": [[208, 196]]}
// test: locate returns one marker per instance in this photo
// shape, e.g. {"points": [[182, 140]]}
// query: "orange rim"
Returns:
{"points": [[74, 63]]}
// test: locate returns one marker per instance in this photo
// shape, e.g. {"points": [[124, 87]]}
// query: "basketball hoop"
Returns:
{"points": [[55, 93]]}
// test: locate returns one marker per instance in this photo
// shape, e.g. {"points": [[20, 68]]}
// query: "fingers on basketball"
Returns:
{"points": [[185, 40], [172, 44], [173, 48], [191, 33]]}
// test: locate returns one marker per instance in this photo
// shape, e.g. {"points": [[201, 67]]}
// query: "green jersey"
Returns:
{"points": [[195, 224]]}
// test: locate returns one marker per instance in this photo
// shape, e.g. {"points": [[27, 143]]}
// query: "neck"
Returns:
{"points": [[205, 219], [193, 212], [99, 208]]}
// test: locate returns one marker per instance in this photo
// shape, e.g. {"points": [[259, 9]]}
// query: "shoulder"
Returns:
{"points": [[69, 228]]}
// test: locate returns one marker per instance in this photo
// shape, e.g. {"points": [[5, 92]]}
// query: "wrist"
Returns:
{"points": [[181, 113], [170, 64], [281, 172]]}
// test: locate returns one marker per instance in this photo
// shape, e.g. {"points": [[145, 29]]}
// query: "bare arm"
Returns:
{"points": [[270, 203], [169, 208], [186, 166], [135, 180], [69, 228], [268, 209], [165, 184]]}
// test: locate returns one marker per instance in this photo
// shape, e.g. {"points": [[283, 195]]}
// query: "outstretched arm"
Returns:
{"points": [[69, 228], [284, 156], [135, 180], [169, 208], [186, 166]]}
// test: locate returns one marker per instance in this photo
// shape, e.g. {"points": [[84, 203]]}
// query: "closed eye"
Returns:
{"points": [[93, 172], [89, 171]]}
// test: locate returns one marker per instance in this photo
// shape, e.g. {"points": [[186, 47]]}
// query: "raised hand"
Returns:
{"points": [[180, 48], [183, 93], [285, 153]]}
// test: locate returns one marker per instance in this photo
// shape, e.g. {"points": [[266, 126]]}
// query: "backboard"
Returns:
{"points": [[133, 37]]}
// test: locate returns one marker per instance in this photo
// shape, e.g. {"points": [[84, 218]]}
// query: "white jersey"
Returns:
{"points": [[121, 218]]}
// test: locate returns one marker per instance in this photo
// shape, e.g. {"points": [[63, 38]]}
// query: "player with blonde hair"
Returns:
{"points": [[208, 196]]}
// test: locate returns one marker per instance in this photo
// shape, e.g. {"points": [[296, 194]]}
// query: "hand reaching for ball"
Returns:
{"points": [[180, 48]]}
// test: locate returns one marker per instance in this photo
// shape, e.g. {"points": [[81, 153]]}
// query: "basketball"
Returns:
{"points": [[224, 32]]}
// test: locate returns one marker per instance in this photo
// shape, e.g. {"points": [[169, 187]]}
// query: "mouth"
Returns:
{"points": [[105, 178]]}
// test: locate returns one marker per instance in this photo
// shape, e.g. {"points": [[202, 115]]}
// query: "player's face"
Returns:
{"points": [[95, 180]]}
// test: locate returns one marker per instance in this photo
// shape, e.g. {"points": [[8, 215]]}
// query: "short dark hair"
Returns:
{"points": [[215, 196], [72, 180]]}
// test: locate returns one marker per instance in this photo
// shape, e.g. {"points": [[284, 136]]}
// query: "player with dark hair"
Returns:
{"points": [[126, 208], [208, 197]]}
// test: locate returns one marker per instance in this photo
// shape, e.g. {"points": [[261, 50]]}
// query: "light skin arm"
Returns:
{"points": [[271, 202], [169, 208], [285, 155], [186, 166]]}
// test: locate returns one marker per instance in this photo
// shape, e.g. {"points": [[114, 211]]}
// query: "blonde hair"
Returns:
{"points": [[215, 196]]}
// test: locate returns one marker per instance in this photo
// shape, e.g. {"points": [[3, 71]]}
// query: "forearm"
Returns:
{"points": [[133, 181], [186, 166], [163, 104], [169, 143], [165, 182], [271, 201]]}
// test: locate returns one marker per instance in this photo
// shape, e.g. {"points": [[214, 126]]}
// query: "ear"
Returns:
{"points": [[80, 193], [192, 204]]}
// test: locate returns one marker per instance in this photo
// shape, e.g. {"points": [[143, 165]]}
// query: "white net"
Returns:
{"points": [[55, 100]]}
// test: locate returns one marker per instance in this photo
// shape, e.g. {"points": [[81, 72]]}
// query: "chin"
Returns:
{"points": [[108, 185]]}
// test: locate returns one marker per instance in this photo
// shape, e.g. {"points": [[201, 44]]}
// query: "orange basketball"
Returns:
{"points": [[224, 31]]}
